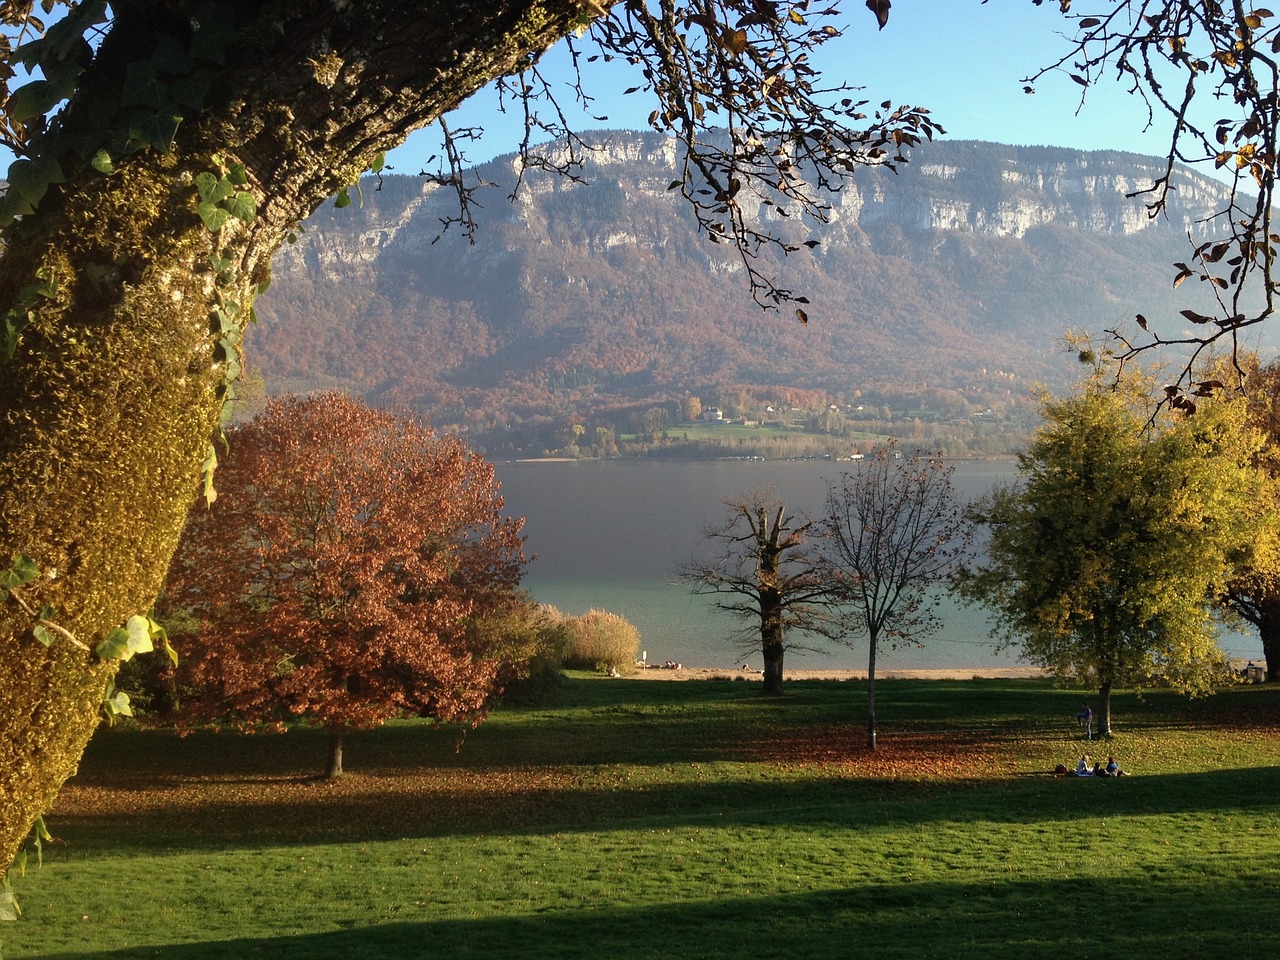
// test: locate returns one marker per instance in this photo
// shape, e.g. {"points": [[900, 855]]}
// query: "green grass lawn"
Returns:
{"points": [[682, 819]]}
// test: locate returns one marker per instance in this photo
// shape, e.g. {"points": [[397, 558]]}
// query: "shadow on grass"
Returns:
{"points": [[659, 723], [374, 812], [627, 753], [1104, 918]]}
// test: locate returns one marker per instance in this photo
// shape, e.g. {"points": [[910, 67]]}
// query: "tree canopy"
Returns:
{"points": [[1254, 592], [1104, 560], [341, 575]]}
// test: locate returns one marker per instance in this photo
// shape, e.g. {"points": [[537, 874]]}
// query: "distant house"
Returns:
{"points": [[713, 413]]}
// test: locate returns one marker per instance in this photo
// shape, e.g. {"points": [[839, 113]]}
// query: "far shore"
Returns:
{"points": [[659, 672]]}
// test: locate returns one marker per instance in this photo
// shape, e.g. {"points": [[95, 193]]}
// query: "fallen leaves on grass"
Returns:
{"points": [[898, 756]]}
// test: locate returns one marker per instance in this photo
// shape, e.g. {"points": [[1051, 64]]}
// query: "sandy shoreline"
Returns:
{"points": [[729, 673]]}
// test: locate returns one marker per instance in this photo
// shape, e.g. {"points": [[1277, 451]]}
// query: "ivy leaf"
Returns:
{"points": [[117, 705], [12, 206], [43, 634], [243, 206], [212, 188], [170, 57], [12, 334], [214, 33], [123, 642], [142, 88], [220, 321], [155, 130], [65, 38], [190, 91], [207, 470], [31, 178], [102, 162], [32, 100], [214, 216], [115, 647], [343, 199], [139, 630], [23, 571]]}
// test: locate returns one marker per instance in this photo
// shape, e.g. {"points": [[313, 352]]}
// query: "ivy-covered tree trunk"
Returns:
{"points": [[110, 403]]}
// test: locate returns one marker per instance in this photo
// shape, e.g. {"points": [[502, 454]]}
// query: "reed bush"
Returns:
{"points": [[599, 640]]}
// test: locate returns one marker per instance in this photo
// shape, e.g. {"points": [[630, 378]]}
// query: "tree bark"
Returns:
{"points": [[334, 767], [112, 398], [1268, 625], [1104, 709], [871, 693], [773, 651], [772, 646]]}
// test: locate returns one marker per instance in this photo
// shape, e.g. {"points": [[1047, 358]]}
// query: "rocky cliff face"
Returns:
{"points": [[963, 187], [962, 269], [1008, 191]]}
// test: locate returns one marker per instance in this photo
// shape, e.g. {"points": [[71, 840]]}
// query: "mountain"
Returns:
{"points": [[951, 281]]}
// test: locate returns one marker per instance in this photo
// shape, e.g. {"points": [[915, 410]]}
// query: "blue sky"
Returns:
{"points": [[962, 59]]}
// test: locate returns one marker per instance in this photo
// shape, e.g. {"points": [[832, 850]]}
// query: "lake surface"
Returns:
{"points": [[609, 535]]}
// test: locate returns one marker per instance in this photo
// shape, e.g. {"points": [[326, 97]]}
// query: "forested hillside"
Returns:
{"points": [[939, 294]]}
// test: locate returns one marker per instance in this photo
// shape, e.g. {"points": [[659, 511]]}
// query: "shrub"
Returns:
{"points": [[530, 640], [602, 641]]}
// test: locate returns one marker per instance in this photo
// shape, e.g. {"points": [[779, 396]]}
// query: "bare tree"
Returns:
{"points": [[893, 531], [766, 571]]}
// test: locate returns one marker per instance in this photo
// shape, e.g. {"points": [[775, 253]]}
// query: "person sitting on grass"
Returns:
{"points": [[1113, 768], [1083, 768]]}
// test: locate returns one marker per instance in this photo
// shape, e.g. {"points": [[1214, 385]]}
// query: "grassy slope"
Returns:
{"points": [[695, 819]]}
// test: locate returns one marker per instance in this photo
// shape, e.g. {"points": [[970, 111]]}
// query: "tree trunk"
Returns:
{"points": [[871, 693], [772, 650], [334, 767], [109, 405], [1104, 709], [1269, 633], [771, 642]]}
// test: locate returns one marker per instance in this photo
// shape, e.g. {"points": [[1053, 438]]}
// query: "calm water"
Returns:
{"points": [[609, 535]]}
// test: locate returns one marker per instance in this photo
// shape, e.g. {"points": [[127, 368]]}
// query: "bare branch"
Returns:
{"points": [[1185, 60]]}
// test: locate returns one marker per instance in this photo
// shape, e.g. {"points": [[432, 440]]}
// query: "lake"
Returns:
{"points": [[610, 534]]}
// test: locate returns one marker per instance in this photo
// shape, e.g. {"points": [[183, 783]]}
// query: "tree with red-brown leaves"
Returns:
{"points": [[340, 573]]}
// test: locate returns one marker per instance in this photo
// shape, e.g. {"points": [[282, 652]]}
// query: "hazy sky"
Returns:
{"points": [[963, 59]]}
